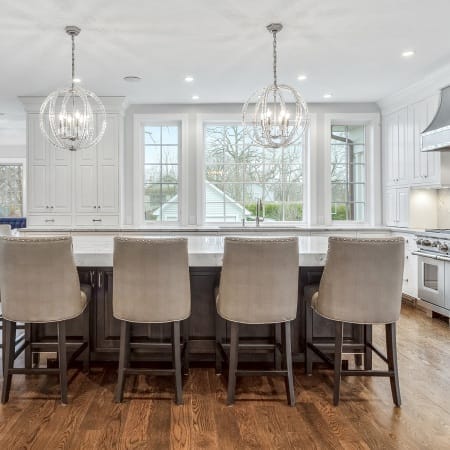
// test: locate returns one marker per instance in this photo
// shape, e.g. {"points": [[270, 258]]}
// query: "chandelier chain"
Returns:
{"points": [[73, 59], [274, 33]]}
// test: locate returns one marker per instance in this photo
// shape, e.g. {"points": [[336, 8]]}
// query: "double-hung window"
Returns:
{"points": [[238, 174], [161, 172], [348, 173], [11, 190]]}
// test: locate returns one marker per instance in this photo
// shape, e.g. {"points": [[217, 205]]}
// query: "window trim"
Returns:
{"points": [[22, 161], [373, 173], [204, 119], [139, 122]]}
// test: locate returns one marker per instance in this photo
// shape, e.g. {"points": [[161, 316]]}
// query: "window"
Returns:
{"points": [[11, 190], [348, 172], [238, 174], [161, 179]]}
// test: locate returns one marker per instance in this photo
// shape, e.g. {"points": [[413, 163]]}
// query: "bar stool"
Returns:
{"points": [[259, 285], [361, 284], [151, 285], [39, 284]]}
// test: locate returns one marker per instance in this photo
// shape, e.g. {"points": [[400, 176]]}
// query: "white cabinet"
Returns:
{"points": [[49, 173], [396, 207], [97, 178], [396, 161]]}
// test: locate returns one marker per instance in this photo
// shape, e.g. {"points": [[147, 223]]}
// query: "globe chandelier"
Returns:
{"points": [[275, 116], [69, 116]]}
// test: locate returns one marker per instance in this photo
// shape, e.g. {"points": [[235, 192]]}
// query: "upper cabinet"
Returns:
{"points": [[395, 150], [97, 173], [49, 173]]}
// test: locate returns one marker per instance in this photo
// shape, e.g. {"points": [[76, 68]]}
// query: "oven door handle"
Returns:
{"points": [[425, 255]]}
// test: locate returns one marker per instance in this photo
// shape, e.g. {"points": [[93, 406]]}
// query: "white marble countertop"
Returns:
{"points": [[204, 251]]}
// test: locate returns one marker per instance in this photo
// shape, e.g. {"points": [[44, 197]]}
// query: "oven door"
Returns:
{"points": [[431, 280]]}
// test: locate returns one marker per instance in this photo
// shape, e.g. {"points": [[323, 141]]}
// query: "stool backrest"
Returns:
{"points": [[151, 280], [38, 279], [259, 280], [362, 280]]}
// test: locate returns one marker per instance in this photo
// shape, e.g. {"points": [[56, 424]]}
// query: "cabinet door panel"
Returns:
{"points": [[390, 207], [433, 159], [403, 207], [403, 161], [86, 188], [61, 188], [38, 191]]}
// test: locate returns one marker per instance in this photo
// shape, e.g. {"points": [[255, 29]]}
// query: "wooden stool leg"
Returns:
{"points": [[309, 337], [357, 336], [87, 339], [176, 354], [367, 349], [123, 359], [9, 341], [277, 340], [287, 348], [391, 346], [62, 357], [234, 350], [186, 330], [219, 337], [28, 349], [338, 361]]}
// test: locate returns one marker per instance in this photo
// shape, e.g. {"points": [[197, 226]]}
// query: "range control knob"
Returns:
{"points": [[426, 243], [435, 244], [443, 248], [419, 241]]}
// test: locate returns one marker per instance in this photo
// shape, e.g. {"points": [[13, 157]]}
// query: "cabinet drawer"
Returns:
{"points": [[97, 220], [49, 221]]}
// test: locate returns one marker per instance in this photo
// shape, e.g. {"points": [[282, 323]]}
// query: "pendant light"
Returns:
{"points": [[275, 116], [73, 118]]}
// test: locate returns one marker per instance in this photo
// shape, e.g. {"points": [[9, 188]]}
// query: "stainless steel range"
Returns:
{"points": [[434, 269]]}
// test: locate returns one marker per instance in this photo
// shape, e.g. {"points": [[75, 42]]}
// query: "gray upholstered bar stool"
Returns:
{"points": [[151, 285], [259, 285], [39, 284], [361, 284]]}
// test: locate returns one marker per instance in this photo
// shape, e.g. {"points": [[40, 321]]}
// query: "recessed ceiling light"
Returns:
{"points": [[189, 79], [408, 53], [132, 79], [195, 97], [328, 95], [302, 77], [77, 80]]}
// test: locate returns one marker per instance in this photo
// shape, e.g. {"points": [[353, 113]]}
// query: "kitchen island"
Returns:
{"points": [[93, 256]]}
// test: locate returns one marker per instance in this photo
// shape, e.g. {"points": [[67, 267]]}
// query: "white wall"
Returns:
{"points": [[13, 151], [318, 138]]}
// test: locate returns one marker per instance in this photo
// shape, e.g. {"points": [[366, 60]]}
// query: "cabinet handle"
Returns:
{"points": [[407, 257], [91, 278], [94, 207], [405, 280], [96, 220], [100, 279], [51, 207], [98, 206], [47, 207], [49, 220]]}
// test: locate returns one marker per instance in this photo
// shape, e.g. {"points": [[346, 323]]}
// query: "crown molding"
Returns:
{"points": [[428, 86], [32, 104]]}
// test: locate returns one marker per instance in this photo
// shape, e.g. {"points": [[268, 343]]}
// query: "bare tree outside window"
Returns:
{"points": [[239, 173], [11, 190], [348, 172]]}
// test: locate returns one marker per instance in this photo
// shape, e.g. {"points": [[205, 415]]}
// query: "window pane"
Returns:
{"points": [[243, 172], [152, 154], [169, 135], [169, 154], [169, 173], [348, 172], [293, 211], [152, 173], [152, 135]]}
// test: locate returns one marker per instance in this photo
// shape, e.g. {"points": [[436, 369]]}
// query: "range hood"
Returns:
{"points": [[436, 136]]}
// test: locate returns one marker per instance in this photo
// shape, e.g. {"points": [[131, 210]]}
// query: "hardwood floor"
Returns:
{"points": [[366, 417]]}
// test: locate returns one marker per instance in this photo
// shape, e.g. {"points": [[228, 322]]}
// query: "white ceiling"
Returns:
{"points": [[349, 47]]}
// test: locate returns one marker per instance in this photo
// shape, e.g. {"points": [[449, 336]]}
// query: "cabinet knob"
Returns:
{"points": [[96, 220], [94, 207], [98, 206]]}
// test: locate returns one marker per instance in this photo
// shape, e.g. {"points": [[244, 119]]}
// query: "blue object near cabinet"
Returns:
{"points": [[15, 222]]}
